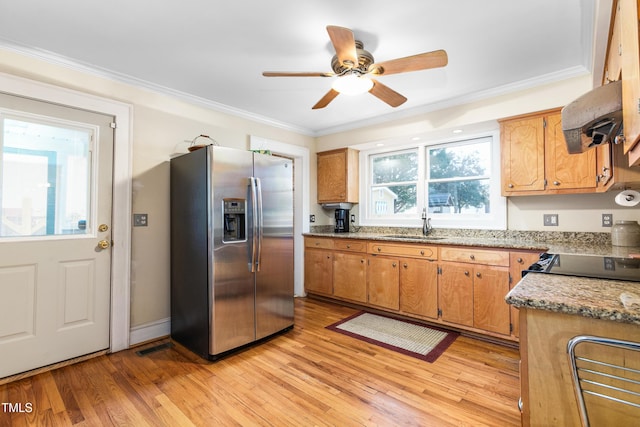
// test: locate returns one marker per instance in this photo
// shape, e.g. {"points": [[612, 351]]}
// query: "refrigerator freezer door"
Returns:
{"points": [[232, 295], [274, 280]]}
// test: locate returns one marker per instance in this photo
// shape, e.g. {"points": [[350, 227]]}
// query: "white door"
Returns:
{"points": [[55, 233]]}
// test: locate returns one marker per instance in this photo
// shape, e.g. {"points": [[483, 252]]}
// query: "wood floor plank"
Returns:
{"points": [[310, 376]]}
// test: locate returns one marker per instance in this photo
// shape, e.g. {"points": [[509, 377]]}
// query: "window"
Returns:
{"points": [[394, 184], [457, 182], [45, 175]]}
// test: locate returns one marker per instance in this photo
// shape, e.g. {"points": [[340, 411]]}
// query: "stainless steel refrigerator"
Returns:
{"points": [[231, 249]]}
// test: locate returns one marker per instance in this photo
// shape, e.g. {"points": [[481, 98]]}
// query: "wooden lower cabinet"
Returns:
{"points": [[350, 276], [461, 286], [490, 310], [383, 282], [518, 261], [419, 287], [318, 271], [473, 296], [456, 294]]}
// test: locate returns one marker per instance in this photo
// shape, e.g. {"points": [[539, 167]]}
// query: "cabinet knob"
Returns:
{"points": [[379, 249], [394, 265], [556, 182], [519, 260], [466, 273], [405, 265], [348, 246], [361, 261], [421, 252], [478, 275], [472, 256], [328, 256], [510, 186]]}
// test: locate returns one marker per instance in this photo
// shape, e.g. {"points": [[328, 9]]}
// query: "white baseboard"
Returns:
{"points": [[150, 331]]}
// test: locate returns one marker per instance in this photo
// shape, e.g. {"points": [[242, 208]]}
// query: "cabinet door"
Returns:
{"points": [[332, 176], [349, 276], [628, 14], [522, 145], [456, 294], [383, 282], [519, 261], [419, 287], [564, 170], [490, 310], [318, 271]]}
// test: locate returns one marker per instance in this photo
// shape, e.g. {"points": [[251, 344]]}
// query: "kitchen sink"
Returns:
{"points": [[406, 236]]}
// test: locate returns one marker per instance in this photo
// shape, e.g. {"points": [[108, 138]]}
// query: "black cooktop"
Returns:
{"points": [[601, 267]]}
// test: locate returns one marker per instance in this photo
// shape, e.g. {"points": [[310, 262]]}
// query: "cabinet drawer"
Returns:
{"points": [[350, 245], [418, 251], [318, 242], [475, 256]]}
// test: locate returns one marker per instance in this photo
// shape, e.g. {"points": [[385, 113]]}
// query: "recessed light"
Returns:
{"points": [[379, 144], [457, 131], [415, 138]]}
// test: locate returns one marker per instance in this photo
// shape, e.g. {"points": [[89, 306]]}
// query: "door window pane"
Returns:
{"points": [[45, 179]]}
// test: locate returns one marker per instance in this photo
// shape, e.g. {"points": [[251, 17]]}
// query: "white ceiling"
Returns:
{"points": [[214, 52]]}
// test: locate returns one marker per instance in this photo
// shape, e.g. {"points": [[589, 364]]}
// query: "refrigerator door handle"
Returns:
{"points": [[260, 222], [254, 222]]}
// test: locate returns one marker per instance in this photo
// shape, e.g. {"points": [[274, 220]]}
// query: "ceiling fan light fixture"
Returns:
{"points": [[352, 84]]}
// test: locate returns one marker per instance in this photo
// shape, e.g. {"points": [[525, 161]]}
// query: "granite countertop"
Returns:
{"points": [[594, 298], [561, 243]]}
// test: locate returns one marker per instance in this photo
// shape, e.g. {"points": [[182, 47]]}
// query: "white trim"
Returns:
{"points": [[122, 172], [301, 166], [150, 331]]}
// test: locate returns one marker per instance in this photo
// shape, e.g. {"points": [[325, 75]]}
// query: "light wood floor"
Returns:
{"points": [[309, 376]]}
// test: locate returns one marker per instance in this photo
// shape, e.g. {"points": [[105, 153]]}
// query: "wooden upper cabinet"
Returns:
{"points": [[564, 170], [628, 15], [338, 176], [535, 159], [522, 151]]}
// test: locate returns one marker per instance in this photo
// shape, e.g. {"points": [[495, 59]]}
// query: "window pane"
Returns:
{"points": [[460, 197], [393, 168], [393, 200], [46, 171], [469, 160]]}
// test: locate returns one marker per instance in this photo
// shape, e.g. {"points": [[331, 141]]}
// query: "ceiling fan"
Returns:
{"points": [[354, 67]]}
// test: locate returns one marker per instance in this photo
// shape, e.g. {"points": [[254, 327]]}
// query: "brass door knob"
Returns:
{"points": [[104, 244], [103, 227]]}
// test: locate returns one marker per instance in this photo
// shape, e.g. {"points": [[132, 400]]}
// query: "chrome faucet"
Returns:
{"points": [[426, 223]]}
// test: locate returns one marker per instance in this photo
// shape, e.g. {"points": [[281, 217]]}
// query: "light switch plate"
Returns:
{"points": [[140, 220]]}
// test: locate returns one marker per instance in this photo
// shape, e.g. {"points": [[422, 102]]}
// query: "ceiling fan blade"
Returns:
{"points": [[296, 74], [421, 61], [386, 94], [345, 45], [326, 99]]}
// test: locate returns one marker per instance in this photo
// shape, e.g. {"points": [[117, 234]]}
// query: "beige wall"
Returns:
{"points": [[161, 124], [576, 212]]}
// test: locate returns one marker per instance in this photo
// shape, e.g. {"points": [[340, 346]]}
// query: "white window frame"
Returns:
{"points": [[496, 220]]}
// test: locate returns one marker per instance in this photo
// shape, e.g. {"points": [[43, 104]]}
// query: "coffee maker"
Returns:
{"points": [[342, 221]]}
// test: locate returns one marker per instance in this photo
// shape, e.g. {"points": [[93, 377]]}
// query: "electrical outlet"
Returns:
{"points": [[353, 219], [607, 220], [550, 220], [312, 218]]}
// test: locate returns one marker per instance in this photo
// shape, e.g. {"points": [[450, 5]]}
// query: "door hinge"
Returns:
{"points": [[113, 125], [510, 328], [510, 279], [544, 122], [439, 312], [439, 270]]}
